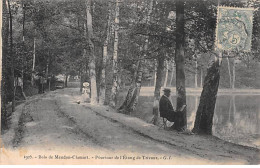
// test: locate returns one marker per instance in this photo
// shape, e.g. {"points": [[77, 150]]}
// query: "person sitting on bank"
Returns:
{"points": [[165, 106]]}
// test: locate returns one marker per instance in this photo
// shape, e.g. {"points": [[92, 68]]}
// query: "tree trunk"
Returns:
{"points": [[234, 108], [92, 66], [132, 95], [234, 75], [99, 65], [120, 76], [205, 112], [131, 99], [84, 67], [81, 82], [103, 77], [115, 86], [66, 80], [47, 72], [155, 72], [157, 89], [172, 75], [23, 54], [11, 54], [181, 119], [108, 80], [166, 73], [229, 110], [33, 66], [196, 73], [229, 73], [4, 42], [201, 77], [22, 87], [104, 62]]}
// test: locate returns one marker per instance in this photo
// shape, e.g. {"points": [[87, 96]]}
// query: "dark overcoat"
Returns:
{"points": [[166, 108]]}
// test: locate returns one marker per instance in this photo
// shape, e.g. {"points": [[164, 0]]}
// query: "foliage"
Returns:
{"points": [[58, 27]]}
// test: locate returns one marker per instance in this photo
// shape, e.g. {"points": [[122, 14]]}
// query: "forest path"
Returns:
{"points": [[54, 123]]}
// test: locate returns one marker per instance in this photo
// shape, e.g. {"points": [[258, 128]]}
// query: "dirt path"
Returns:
{"points": [[45, 126], [55, 123]]}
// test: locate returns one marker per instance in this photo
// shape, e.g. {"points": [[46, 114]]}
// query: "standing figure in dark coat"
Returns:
{"points": [[165, 106]]}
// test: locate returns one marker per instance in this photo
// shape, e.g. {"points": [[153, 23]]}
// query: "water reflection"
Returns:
{"points": [[236, 117]]}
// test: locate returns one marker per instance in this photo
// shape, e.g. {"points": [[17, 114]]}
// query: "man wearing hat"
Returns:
{"points": [[165, 106]]}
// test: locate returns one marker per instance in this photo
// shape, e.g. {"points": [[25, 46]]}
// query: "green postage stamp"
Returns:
{"points": [[234, 29]]}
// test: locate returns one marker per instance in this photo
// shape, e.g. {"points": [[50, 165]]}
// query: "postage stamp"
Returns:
{"points": [[234, 28]]}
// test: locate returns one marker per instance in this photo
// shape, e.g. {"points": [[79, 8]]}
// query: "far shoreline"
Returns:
{"points": [[149, 91]]}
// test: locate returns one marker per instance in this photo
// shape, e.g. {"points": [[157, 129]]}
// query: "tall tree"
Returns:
{"points": [[104, 61], [166, 73], [196, 73], [201, 77], [92, 64], [132, 96], [108, 80], [229, 73], [23, 53], [181, 120], [234, 75], [34, 57], [11, 53], [172, 74], [204, 116], [158, 85], [115, 87], [3, 108]]}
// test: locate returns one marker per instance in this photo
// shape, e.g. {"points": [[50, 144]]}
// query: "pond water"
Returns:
{"points": [[236, 117]]}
